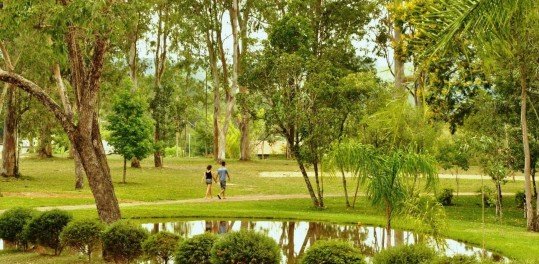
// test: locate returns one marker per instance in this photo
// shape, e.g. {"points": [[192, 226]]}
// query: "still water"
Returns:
{"points": [[294, 238]]}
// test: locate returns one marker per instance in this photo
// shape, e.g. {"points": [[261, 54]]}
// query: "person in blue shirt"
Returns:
{"points": [[223, 175]]}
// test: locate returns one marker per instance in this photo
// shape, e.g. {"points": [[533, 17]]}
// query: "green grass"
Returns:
{"points": [[50, 183]]}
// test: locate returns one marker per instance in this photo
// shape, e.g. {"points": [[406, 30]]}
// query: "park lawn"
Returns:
{"points": [[50, 183]]}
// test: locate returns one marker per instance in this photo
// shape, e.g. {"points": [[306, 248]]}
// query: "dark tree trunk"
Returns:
{"points": [[157, 155], [125, 170], [345, 189], [135, 163], [9, 152], [45, 142], [308, 183], [79, 171], [245, 143], [499, 200]]}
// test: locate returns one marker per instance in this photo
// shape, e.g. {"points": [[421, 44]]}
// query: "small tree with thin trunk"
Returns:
{"points": [[131, 128]]}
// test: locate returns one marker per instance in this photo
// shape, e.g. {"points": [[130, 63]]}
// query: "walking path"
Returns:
{"points": [[184, 201], [204, 200], [297, 174]]}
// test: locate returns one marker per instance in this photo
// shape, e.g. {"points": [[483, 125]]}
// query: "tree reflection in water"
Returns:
{"points": [[294, 238]]}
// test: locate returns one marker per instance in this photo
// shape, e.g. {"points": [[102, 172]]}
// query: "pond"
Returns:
{"points": [[295, 237]]}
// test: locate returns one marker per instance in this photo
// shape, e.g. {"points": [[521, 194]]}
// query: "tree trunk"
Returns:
{"points": [[157, 155], [210, 43], [389, 213], [125, 170], [316, 203], [526, 146], [135, 163], [397, 58], [533, 180], [79, 171], [319, 188], [499, 200], [45, 139], [9, 152], [229, 97], [85, 136], [345, 189]]}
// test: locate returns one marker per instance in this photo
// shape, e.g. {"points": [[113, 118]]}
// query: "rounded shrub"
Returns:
{"points": [[45, 229], [405, 254], [196, 250], [160, 246], [245, 247], [122, 242], [12, 223], [83, 235], [520, 199], [332, 252], [446, 197]]}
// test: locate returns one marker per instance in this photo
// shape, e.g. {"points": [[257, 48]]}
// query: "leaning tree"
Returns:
{"points": [[82, 33]]}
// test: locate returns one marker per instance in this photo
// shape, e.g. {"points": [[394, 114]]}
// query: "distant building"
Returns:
{"points": [[264, 149]]}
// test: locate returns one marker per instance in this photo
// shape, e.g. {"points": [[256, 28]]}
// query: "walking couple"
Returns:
{"points": [[210, 177]]}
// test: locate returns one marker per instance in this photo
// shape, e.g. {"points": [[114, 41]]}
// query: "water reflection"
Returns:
{"points": [[295, 237]]}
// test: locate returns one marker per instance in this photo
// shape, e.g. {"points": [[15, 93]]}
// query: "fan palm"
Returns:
{"points": [[499, 28]]}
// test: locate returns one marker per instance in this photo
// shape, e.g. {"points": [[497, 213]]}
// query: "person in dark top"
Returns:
{"points": [[209, 178]]}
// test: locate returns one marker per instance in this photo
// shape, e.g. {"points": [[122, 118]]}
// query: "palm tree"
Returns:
{"points": [[391, 176], [499, 28]]}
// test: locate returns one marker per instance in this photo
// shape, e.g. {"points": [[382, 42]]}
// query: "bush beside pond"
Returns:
{"points": [[45, 229], [332, 252], [161, 246], [405, 254], [122, 242], [83, 235], [12, 223], [196, 250], [246, 247]]}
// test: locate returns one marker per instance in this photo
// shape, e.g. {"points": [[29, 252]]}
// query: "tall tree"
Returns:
{"points": [[131, 129], [503, 29], [86, 54]]}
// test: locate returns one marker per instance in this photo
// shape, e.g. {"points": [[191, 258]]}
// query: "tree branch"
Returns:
{"points": [[37, 92]]}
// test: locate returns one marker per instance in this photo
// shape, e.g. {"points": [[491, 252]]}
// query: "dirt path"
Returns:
{"points": [[203, 200], [297, 174], [185, 201]]}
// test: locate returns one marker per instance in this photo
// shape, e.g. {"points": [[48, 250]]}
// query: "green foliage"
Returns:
{"points": [[405, 254], [83, 235], [520, 199], [161, 246], [446, 197], [488, 196], [332, 252], [454, 153], [131, 129], [245, 247], [196, 250], [45, 229], [12, 223], [122, 242], [426, 213], [396, 126]]}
